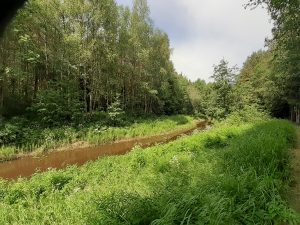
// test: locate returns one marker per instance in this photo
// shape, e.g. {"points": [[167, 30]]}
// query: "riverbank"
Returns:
{"points": [[27, 165], [22, 139], [232, 174]]}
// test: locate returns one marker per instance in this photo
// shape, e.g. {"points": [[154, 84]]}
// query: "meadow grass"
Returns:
{"points": [[232, 174], [40, 140]]}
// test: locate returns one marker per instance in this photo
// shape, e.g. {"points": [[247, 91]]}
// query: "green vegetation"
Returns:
{"points": [[85, 72], [19, 136], [269, 79], [233, 174], [90, 72], [62, 59]]}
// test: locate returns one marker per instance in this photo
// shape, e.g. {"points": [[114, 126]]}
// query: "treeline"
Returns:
{"points": [[59, 59], [62, 59], [269, 80], [257, 84], [283, 57]]}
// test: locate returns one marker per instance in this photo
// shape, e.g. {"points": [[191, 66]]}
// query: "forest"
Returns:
{"points": [[88, 73], [63, 61]]}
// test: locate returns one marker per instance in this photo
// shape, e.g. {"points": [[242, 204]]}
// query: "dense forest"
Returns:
{"points": [[78, 75], [62, 59]]}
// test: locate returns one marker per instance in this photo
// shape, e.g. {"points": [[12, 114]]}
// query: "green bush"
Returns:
{"points": [[249, 114], [11, 130], [57, 105], [100, 118], [116, 113]]}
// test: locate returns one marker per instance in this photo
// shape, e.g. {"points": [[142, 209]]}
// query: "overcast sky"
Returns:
{"points": [[202, 32]]}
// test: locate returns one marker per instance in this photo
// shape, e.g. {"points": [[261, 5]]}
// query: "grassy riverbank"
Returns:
{"points": [[233, 174], [21, 137]]}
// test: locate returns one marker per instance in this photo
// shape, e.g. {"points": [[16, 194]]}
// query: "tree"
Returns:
{"points": [[286, 17], [224, 79], [87, 52], [260, 84]]}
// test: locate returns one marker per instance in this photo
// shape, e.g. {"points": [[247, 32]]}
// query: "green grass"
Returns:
{"points": [[23, 140], [7, 152], [232, 174], [145, 128]]}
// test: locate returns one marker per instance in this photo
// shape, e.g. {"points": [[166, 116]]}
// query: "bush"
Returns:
{"points": [[249, 114], [116, 113], [11, 131], [100, 118], [57, 105]]}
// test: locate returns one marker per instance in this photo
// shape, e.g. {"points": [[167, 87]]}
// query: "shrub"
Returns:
{"points": [[11, 131], [116, 113], [249, 114], [57, 105]]}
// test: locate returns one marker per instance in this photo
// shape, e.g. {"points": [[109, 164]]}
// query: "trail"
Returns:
{"points": [[294, 194]]}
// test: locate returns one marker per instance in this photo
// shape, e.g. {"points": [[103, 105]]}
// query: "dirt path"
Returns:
{"points": [[294, 195]]}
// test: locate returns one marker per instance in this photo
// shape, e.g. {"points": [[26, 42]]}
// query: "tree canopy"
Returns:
{"points": [[78, 56]]}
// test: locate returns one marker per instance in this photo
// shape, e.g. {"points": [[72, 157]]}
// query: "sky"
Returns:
{"points": [[202, 32]]}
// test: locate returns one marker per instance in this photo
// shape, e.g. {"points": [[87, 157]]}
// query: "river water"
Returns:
{"points": [[28, 165]]}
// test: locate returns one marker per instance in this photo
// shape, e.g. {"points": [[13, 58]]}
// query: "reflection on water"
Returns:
{"points": [[28, 165]]}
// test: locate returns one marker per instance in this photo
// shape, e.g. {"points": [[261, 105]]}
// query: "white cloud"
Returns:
{"points": [[204, 31]]}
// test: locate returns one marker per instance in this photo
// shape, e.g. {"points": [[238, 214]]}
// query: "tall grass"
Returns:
{"points": [[233, 174], [41, 140]]}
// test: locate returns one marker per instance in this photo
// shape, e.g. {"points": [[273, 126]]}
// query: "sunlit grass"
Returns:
{"points": [[47, 139], [7, 152], [233, 174]]}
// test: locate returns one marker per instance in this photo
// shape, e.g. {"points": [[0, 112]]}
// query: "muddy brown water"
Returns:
{"points": [[28, 165]]}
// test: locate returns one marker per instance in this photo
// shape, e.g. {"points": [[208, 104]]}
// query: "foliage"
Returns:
{"points": [[233, 174], [62, 59], [224, 78], [260, 83], [57, 105], [269, 79], [11, 132], [286, 45], [216, 99], [249, 114], [115, 112]]}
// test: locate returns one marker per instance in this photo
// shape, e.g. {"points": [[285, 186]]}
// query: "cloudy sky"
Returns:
{"points": [[202, 32]]}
